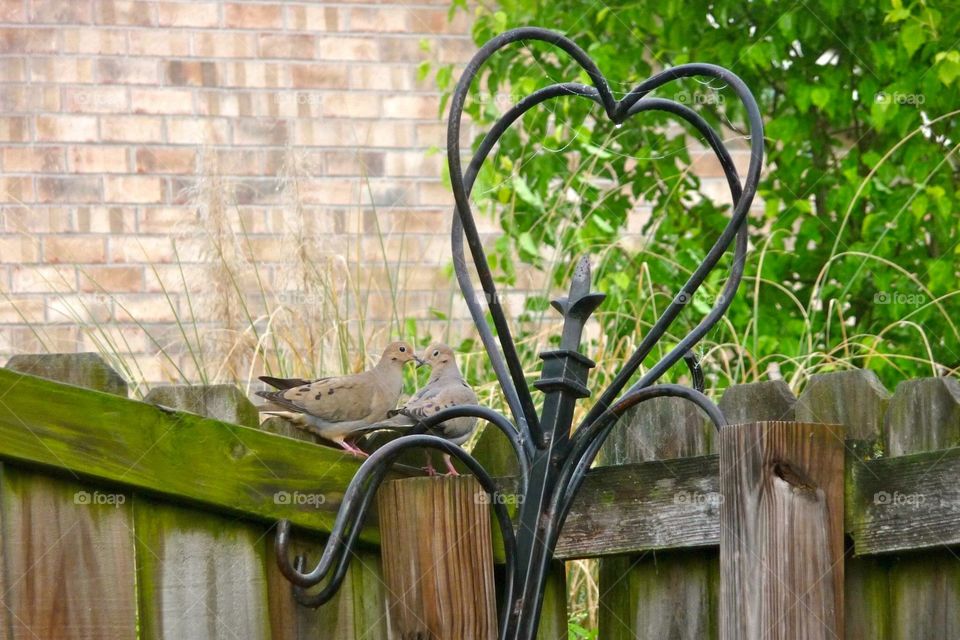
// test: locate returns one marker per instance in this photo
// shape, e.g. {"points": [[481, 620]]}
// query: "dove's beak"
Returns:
{"points": [[419, 362]]}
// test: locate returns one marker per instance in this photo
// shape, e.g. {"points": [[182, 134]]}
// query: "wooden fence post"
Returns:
{"points": [[87, 370], [437, 559], [437, 556], [781, 533], [221, 401]]}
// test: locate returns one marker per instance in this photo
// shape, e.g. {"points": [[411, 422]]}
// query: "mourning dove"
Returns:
{"points": [[338, 407], [446, 388]]}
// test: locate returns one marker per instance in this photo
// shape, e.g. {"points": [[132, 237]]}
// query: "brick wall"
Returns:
{"points": [[115, 114], [153, 148]]}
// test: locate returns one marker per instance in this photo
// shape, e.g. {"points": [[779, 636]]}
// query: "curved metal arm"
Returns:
{"points": [[669, 315], [696, 371], [459, 260], [742, 201], [461, 199], [585, 448], [618, 111]]}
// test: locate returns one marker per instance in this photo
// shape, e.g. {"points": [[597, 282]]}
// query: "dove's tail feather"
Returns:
{"points": [[284, 383], [276, 402], [272, 407], [298, 419]]}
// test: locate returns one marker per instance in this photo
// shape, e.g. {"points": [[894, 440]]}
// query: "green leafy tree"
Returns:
{"points": [[854, 255]]}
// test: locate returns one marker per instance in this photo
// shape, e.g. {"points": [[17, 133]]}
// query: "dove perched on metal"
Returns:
{"points": [[446, 388], [337, 407]]}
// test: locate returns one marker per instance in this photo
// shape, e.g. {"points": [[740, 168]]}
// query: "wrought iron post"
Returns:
{"points": [[564, 381], [553, 456]]}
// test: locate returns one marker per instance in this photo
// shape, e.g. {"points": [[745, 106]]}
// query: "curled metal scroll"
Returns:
{"points": [[552, 462]]}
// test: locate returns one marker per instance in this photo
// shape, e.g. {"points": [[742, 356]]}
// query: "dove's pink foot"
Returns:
{"points": [[429, 468], [354, 450], [450, 468]]}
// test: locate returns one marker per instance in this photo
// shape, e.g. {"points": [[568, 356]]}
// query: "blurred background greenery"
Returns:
{"points": [[854, 244]]}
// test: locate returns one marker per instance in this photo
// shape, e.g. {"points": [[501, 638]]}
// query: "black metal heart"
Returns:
{"points": [[506, 364]]}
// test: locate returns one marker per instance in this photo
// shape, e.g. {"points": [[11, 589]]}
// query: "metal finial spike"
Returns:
{"points": [[580, 302], [580, 284]]}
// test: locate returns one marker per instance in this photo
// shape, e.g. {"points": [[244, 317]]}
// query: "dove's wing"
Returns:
{"points": [[445, 394], [343, 399]]}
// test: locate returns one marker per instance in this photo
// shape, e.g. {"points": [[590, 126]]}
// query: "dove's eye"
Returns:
{"points": [[436, 353], [403, 349]]}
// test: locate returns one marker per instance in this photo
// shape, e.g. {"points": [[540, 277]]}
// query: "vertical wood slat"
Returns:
{"points": [[758, 401], [437, 553], [781, 533], [671, 595], [68, 563], [858, 401], [856, 396], [200, 575], [67, 547], [923, 415]]}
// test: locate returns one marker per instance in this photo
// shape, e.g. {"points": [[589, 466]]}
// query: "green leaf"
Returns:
{"points": [[912, 36], [526, 243], [444, 75], [897, 15], [524, 192], [785, 24], [948, 70], [820, 96], [423, 70]]}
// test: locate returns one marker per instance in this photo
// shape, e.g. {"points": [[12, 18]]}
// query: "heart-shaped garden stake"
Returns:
{"points": [[552, 461]]}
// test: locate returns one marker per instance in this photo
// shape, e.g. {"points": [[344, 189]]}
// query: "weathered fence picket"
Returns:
{"points": [[659, 595], [68, 546], [199, 575], [923, 415], [857, 400]]}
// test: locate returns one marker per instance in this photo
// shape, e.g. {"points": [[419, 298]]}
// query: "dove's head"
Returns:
{"points": [[398, 353], [440, 358]]}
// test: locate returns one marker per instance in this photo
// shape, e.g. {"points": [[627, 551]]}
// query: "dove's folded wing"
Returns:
{"points": [[330, 399], [441, 398]]}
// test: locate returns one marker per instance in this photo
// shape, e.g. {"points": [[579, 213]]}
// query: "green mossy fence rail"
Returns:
{"points": [[127, 519]]}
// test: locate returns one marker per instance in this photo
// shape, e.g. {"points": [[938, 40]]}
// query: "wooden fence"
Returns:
{"points": [[126, 519]]}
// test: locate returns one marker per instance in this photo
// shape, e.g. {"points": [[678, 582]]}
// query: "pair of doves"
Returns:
{"points": [[338, 408]]}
